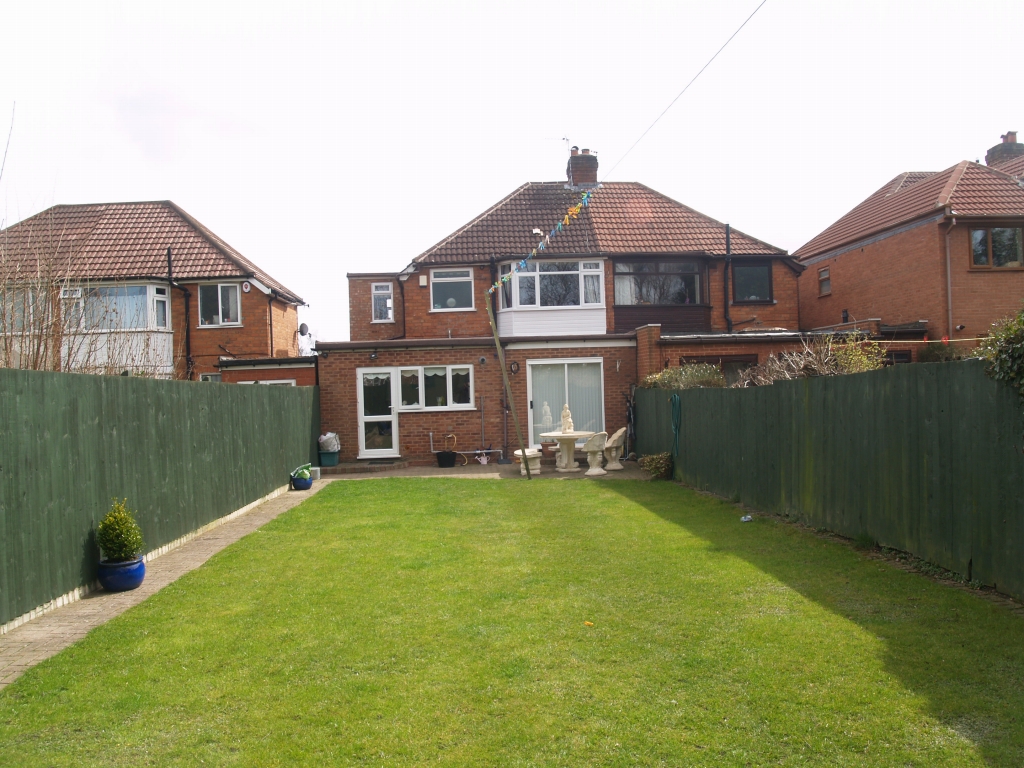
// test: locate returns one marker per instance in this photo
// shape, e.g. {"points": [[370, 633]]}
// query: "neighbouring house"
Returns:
{"points": [[281, 371], [142, 287], [940, 253], [637, 283]]}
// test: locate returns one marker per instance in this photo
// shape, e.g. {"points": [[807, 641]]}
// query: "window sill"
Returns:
{"points": [[660, 306], [382, 322], [824, 295], [438, 409], [453, 309], [539, 309], [984, 270], [221, 325], [769, 303]]}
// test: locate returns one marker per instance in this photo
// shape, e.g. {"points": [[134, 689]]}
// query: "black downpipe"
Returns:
{"points": [[189, 362], [725, 282]]}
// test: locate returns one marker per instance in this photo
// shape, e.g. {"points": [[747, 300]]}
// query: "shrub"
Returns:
{"points": [[659, 465], [689, 376], [940, 352], [1004, 351], [119, 535], [824, 355]]}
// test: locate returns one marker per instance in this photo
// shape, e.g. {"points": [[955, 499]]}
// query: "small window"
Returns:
{"points": [[435, 386], [218, 305], [824, 282], [412, 387], [752, 282], [160, 307], [383, 304], [216, 377], [451, 289], [506, 286], [997, 247]]}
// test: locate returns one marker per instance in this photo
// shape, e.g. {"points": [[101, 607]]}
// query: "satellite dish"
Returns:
{"points": [[303, 330]]}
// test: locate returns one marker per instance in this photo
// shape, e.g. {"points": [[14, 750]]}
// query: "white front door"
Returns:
{"points": [[378, 417], [550, 384]]}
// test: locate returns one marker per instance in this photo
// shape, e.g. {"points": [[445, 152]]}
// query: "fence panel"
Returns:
{"points": [[924, 458], [183, 453]]}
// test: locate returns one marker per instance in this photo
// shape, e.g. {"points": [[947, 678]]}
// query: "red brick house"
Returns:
{"points": [[176, 297], [942, 252], [638, 282]]}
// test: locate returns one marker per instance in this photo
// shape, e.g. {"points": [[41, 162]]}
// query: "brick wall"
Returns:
{"points": [[360, 309], [304, 377], [338, 395], [422, 323], [902, 279], [783, 313], [286, 329]]}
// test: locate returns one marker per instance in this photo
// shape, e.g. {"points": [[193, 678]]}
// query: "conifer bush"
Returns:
{"points": [[118, 535]]}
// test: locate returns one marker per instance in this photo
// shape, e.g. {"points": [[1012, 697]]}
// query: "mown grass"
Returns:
{"points": [[411, 622]]}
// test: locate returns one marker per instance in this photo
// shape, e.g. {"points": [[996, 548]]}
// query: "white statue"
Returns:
{"points": [[545, 415], [566, 419]]}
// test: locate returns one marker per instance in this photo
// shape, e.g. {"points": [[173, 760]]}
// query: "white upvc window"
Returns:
{"points": [[219, 304], [161, 307], [451, 290], [383, 303], [554, 285], [435, 388]]}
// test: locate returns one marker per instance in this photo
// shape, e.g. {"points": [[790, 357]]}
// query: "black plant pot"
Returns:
{"points": [[446, 459]]}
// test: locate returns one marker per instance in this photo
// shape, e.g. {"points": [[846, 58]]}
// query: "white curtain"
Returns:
{"points": [[585, 400], [554, 385]]}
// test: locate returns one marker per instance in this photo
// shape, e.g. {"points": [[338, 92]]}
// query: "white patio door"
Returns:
{"points": [[378, 416], [553, 383]]}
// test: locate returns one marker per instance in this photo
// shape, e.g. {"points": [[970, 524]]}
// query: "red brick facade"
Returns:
{"points": [[304, 375], [902, 279]]}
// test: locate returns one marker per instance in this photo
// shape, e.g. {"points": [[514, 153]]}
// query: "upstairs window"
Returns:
{"points": [[560, 284], [997, 247], [112, 308], [657, 283], [752, 283], [824, 282], [218, 305], [451, 289], [160, 312], [383, 304], [506, 287]]}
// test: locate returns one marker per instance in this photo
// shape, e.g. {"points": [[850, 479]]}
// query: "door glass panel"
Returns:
{"points": [[411, 387], [585, 396], [548, 393], [377, 435], [435, 385], [460, 386], [376, 394]]}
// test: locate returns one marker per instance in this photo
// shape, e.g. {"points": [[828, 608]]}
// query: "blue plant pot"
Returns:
{"points": [[121, 577], [302, 485]]}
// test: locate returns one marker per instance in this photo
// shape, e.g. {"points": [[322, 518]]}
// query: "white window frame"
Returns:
{"points": [[390, 293], [470, 406], [470, 279], [165, 299], [534, 272], [218, 324], [561, 361], [74, 299]]}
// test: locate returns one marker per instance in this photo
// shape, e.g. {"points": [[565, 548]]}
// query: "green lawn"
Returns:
{"points": [[411, 622]]}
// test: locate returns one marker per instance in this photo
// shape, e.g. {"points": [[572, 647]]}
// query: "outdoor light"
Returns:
{"points": [[373, 355]]}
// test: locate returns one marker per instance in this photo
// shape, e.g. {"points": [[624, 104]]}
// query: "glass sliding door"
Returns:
{"points": [[553, 383]]}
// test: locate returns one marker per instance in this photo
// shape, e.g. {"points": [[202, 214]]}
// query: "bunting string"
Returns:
{"points": [[571, 214]]}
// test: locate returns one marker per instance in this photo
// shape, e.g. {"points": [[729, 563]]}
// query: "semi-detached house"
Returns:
{"points": [[636, 283]]}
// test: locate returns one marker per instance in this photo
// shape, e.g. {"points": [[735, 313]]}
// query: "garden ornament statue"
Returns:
{"points": [[567, 425], [595, 450], [545, 415], [613, 450]]}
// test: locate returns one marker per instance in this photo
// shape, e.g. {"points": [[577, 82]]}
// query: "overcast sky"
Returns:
{"points": [[320, 139]]}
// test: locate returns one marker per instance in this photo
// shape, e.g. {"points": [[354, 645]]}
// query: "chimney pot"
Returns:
{"points": [[1006, 150], [574, 151], [586, 151], [1010, 137], [581, 169]]}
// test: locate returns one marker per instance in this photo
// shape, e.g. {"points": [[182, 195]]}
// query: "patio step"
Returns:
{"points": [[359, 467]]}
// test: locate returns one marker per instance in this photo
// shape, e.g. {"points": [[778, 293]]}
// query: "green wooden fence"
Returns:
{"points": [[923, 458], [183, 453]]}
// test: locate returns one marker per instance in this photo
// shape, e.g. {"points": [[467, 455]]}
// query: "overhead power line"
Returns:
{"points": [[692, 81]]}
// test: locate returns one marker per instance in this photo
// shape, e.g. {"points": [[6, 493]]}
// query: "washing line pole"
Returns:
{"points": [[508, 388]]}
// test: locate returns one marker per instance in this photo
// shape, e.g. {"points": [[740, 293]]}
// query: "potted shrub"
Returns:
{"points": [[120, 541]]}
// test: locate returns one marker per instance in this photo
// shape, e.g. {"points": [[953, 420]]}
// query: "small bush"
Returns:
{"points": [[825, 355], [689, 376], [659, 465], [119, 535], [940, 352], [1004, 351]]}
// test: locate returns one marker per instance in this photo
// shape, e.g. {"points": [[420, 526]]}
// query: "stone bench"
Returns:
{"points": [[613, 450], [533, 457]]}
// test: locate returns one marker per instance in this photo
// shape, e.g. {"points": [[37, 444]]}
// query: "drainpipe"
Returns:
{"points": [[725, 281], [270, 314], [189, 362], [949, 283], [401, 290]]}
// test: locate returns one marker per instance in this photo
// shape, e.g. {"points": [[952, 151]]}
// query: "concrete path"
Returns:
{"points": [[41, 638]]}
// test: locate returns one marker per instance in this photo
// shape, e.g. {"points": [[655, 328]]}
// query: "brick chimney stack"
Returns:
{"points": [[1008, 149], [582, 168]]}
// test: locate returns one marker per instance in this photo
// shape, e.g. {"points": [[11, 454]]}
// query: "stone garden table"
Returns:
{"points": [[567, 448]]}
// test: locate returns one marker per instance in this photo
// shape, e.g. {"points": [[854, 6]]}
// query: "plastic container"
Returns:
{"points": [[329, 458]]}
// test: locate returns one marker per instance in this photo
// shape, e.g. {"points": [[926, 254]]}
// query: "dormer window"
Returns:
{"points": [[383, 303]]}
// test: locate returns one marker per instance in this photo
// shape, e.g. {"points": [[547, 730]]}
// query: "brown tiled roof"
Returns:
{"points": [[967, 189], [622, 217], [123, 241], [1013, 166]]}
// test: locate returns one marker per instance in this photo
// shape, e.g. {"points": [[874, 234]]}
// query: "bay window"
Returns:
{"points": [[657, 283], [554, 284]]}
